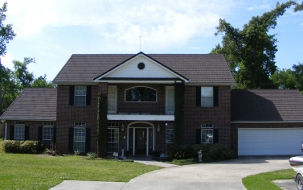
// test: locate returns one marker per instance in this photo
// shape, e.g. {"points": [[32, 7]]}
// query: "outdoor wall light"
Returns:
{"points": [[158, 128], [122, 127]]}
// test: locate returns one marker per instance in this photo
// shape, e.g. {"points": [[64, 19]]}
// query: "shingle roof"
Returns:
{"points": [[33, 104], [266, 106], [198, 68]]}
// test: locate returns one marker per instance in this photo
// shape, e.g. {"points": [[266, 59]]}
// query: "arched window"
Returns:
{"points": [[140, 94]]}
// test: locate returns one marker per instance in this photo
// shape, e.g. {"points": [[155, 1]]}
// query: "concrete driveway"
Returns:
{"points": [[219, 175]]}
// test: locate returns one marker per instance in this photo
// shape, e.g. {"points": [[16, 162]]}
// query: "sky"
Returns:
{"points": [[52, 30]]}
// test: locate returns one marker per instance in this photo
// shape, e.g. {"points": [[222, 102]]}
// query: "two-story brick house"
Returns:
{"points": [[141, 104]]}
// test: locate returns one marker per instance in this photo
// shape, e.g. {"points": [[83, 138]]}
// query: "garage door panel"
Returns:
{"points": [[270, 141]]}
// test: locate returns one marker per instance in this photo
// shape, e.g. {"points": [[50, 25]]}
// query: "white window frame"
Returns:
{"points": [[169, 100], [48, 127], [112, 99], [207, 99], [19, 130], [80, 94], [79, 141], [115, 128], [207, 129], [141, 101]]}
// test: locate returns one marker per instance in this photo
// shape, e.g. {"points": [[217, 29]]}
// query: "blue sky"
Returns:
{"points": [[52, 30]]}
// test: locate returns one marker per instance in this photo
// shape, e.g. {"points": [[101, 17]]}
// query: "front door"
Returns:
{"points": [[140, 141]]}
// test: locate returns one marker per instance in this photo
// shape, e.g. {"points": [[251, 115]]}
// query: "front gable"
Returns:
{"points": [[140, 68]]}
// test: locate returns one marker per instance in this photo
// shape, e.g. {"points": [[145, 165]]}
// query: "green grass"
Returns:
{"points": [[25, 171], [265, 180]]}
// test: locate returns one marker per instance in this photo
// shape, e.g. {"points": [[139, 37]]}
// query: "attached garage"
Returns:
{"points": [[269, 141], [266, 122]]}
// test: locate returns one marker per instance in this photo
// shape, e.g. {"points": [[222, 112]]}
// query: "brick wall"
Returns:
{"points": [[218, 116], [236, 126], [33, 128], [157, 107], [67, 115]]}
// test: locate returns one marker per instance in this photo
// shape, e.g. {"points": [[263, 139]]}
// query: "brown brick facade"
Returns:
{"points": [[33, 128], [67, 115], [197, 115]]}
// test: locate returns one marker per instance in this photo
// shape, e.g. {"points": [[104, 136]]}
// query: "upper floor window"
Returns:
{"points": [[140, 94], [207, 96], [80, 95], [112, 99]]}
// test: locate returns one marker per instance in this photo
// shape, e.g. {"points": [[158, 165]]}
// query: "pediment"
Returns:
{"points": [[140, 67]]}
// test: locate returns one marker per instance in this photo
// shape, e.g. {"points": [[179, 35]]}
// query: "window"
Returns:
{"points": [[140, 94], [48, 131], [170, 100], [207, 98], [169, 133], [79, 137], [112, 99], [113, 138], [207, 134], [19, 130], [80, 95]]}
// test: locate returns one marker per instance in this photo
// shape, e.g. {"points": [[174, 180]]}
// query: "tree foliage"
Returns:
{"points": [[22, 75], [284, 79], [6, 34], [250, 52], [289, 78], [298, 72], [13, 82], [41, 82]]}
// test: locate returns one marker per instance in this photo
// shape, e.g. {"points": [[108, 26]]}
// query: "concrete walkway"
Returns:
{"points": [[219, 175]]}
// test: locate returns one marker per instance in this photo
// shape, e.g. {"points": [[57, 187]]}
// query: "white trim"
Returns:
{"points": [[141, 81], [114, 88], [134, 135], [140, 101], [167, 99], [266, 122], [135, 57], [118, 117]]}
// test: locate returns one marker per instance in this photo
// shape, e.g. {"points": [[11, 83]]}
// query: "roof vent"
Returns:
{"points": [[141, 65]]}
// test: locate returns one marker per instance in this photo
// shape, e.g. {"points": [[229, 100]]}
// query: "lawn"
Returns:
{"points": [[265, 180], [25, 171]]}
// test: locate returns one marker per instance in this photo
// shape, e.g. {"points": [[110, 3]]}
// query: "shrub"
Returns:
{"points": [[214, 152], [92, 155], [181, 152], [26, 147]]}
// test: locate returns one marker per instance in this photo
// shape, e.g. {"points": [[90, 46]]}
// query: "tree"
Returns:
{"points": [[23, 76], [250, 52], [298, 72], [284, 79], [6, 34], [41, 82]]}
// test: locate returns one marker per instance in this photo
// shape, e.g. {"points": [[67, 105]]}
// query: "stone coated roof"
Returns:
{"points": [[33, 104], [197, 68], [266, 106]]}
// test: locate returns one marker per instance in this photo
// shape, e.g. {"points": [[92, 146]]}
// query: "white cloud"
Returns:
{"points": [[7, 61], [259, 7], [170, 21]]}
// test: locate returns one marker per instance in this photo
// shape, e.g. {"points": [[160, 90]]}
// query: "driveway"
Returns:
{"points": [[219, 175]]}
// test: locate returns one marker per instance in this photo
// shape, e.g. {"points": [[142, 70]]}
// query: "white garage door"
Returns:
{"points": [[270, 141]]}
